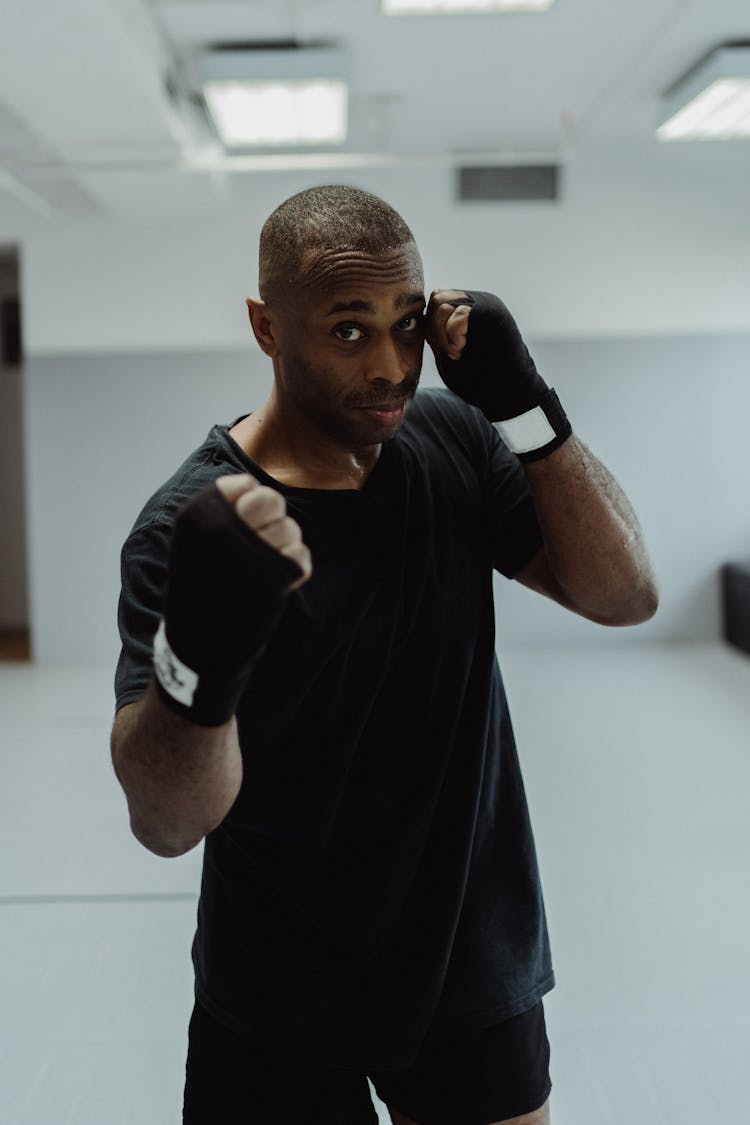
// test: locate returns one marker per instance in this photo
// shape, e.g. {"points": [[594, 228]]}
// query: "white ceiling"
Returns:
{"points": [[87, 128]]}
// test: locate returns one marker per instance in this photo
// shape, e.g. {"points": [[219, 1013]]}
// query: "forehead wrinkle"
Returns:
{"points": [[329, 269], [352, 275]]}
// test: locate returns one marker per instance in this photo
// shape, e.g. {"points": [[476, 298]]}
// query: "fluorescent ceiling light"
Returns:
{"points": [[712, 102], [278, 113], [267, 97], [433, 7]]}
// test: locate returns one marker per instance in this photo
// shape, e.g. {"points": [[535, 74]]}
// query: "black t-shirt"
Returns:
{"points": [[377, 872]]}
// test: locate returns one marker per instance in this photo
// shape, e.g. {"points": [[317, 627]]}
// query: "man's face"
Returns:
{"points": [[351, 341]]}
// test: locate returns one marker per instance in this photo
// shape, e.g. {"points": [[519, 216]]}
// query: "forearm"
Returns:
{"points": [[180, 779], [593, 541]]}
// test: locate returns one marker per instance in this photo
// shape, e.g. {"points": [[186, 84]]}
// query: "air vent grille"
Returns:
{"points": [[507, 182]]}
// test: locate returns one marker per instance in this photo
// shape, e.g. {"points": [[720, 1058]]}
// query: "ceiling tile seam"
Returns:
{"points": [[600, 102]]}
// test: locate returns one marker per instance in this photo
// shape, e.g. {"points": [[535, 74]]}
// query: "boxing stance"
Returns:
{"points": [[308, 683]]}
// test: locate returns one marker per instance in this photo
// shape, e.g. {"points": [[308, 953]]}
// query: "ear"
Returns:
{"points": [[263, 325]]}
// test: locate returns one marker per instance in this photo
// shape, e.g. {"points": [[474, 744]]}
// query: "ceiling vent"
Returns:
{"points": [[504, 183]]}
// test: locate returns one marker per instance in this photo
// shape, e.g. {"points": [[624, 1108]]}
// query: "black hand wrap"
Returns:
{"points": [[496, 373], [225, 593]]}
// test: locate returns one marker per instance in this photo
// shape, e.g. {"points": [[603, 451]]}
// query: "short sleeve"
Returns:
{"points": [[514, 529], [143, 565]]}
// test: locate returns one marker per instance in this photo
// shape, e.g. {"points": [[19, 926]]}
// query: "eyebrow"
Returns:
{"points": [[402, 302]]}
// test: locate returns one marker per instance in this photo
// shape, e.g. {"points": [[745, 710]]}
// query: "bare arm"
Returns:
{"points": [[595, 560], [180, 780], [180, 768]]}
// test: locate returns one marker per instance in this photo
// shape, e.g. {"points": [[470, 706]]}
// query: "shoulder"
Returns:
{"points": [[214, 458]]}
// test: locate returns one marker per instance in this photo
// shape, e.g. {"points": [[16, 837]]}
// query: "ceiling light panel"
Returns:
{"points": [[278, 113], [266, 98], [436, 7], [712, 102]]}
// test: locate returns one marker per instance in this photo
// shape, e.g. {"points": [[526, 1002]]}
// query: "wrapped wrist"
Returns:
{"points": [[536, 432], [207, 698], [225, 593]]}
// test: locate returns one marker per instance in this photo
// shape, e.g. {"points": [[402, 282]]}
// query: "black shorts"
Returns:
{"points": [[471, 1077]]}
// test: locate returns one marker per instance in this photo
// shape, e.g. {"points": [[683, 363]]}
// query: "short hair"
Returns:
{"points": [[330, 217]]}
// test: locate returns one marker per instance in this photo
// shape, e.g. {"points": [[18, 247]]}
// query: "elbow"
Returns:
{"points": [[646, 602], [651, 604], [164, 849], [158, 843], [640, 607], [167, 851]]}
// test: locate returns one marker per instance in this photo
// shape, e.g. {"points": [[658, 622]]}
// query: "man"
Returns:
{"points": [[308, 681]]}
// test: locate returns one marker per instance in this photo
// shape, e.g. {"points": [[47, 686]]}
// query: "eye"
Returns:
{"points": [[410, 323], [348, 329]]}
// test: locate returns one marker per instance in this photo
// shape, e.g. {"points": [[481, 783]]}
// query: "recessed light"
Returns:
{"points": [[269, 97], [712, 101], [278, 113]]}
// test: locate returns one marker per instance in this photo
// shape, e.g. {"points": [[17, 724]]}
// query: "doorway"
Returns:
{"points": [[14, 602]]}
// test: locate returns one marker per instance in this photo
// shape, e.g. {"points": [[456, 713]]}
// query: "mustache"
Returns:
{"points": [[389, 397]]}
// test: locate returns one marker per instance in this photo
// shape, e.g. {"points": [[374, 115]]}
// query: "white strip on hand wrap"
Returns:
{"points": [[176, 678], [526, 432]]}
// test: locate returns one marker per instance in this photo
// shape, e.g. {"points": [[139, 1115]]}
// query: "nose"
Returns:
{"points": [[389, 363]]}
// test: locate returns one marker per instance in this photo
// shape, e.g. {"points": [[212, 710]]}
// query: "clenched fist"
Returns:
{"points": [[263, 509], [234, 558], [448, 322], [481, 356]]}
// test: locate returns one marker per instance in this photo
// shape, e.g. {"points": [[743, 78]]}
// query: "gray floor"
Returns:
{"points": [[637, 767]]}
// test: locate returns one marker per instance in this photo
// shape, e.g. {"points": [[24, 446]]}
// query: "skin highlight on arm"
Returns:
{"points": [[180, 779], [595, 560]]}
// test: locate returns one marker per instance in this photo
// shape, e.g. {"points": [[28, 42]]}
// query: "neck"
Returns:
{"points": [[293, 452]]}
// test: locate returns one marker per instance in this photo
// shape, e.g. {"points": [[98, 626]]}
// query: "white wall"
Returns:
{"points": [[102, 433], [666, 415], [643, 242], [668, 418], [636, 290]]}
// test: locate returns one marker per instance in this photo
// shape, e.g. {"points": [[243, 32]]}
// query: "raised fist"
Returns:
{"points": [[263, 509], [234, 559]]}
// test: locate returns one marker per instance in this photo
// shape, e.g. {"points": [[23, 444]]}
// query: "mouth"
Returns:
{"points": [[386, 411]]}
